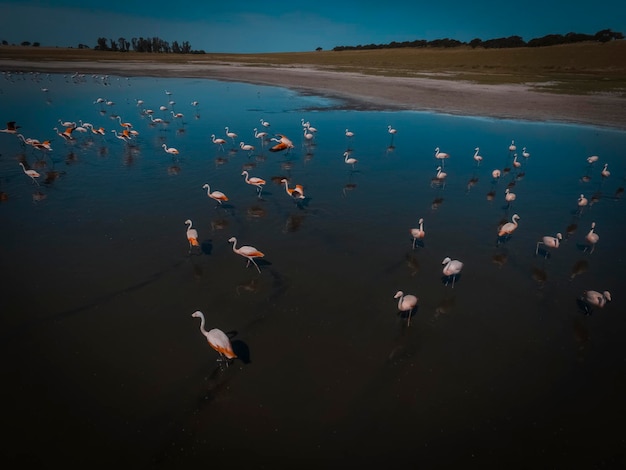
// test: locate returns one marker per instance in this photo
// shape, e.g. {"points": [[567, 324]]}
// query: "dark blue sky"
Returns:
{"points": [[285, 26]]}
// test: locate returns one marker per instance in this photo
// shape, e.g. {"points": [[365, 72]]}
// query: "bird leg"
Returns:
{"points": [[253, 262]]}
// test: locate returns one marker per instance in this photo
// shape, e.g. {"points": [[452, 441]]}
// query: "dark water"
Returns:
{"points": [[104, 364]]}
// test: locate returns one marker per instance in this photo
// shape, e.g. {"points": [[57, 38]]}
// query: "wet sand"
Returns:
{"points": [[360, 91]]}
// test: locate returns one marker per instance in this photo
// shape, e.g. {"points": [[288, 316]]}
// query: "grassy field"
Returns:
{"points": [[575, 68]]}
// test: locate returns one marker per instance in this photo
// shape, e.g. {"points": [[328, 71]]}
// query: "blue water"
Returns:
{"points": [[104, 363]]}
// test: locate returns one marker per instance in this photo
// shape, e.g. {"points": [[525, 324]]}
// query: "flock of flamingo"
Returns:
{"points": [[407, 303]]}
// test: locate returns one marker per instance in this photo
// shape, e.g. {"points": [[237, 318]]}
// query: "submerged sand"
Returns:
{"points": [[360, 91]]}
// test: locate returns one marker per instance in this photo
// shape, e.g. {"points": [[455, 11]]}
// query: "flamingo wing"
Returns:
{"points": [[219, 341]]}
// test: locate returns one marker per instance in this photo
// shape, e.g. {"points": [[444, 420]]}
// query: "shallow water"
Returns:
{"points": [[104, 363]]}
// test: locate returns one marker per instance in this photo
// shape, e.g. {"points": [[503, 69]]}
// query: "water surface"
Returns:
{"points": [[104, 363]]}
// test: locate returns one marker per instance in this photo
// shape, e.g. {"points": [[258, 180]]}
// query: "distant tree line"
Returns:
{"points": [[153, 44], [602, 36]]}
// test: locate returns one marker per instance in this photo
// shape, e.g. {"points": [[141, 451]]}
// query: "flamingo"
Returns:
{"points": [[592, 237], [451, 268], [247, 147], [283, 143], [509, 196], [406, 303], [441, 155], [605, 172], [549, 242], [156, 120], [67, 123], [516, 164], [477, 157], [258, 182], [192, 235], [525, 153], [177, 115], [126, 125], [32, 173], [509, 227], [418, 232], [349, 160], [230, 134], [265, 123], [259, 135], [512, 147], [495, 174], [308, 135], [582, 201], [123, 137], [217, 195], [592, 159], [194, 103], [218, 141], [592, 298], [441, 175], [217, 339], [170, 150], [297, 192], [66, 134], [247, 251], [392, 131], [349, 134]]}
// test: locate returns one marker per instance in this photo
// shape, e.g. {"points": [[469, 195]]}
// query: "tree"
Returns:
{"points": [[102, 44], [25, 43]]}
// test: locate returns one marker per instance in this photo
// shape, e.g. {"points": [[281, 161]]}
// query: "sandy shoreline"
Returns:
{"points": [[377, 92]]}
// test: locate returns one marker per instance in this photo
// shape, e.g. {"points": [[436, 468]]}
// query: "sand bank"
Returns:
{"points": [[359, 91]]}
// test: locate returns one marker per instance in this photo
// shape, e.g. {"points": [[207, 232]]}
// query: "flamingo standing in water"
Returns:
{"points": [[247, 251], [605, 172], [258, 182], [260, 135], [441, 156], [406, 303], [230, 134], [495, 174], [283, 143], [192, 235], [217, 195], [592, 298], [478, 158], [218, 141], [265, 123], [349, 134], [170, 150], [418, 233], [512, 147], [31, 173], [349, 160], [509, 227], [592, 159], [525, 153], [247, 147], [217, 339], [509, 196], [451, 268], [592, 237], [549, 242], [297, 192]]}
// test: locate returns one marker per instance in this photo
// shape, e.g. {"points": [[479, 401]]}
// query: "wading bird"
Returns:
{"points": [[592, 237], [31, 173], [230, 134], [549, 242], [248, 252], [11, 128], [605, 172], [265, 123], [478, 158], [349, 160], [218, 141], [170, 150], [418, 232], [192, 235], [254, 181], [217, 339], [297, 192], [247, 147], [217, 195], [441, 155], [512, 147], [451, 268], [284, 143], [509, 227], [592, 298], [406, 303]]}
